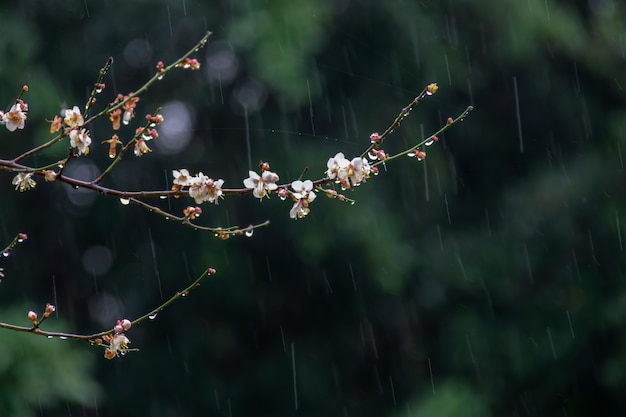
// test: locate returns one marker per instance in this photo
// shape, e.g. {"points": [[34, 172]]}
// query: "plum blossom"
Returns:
{"points": [[23, 181], [203, 188], [303, 195], [262, 184], [73, 118], [15, 118], [118, 344], [141, 147], [80, 140], [182, 177], [348, 173]]}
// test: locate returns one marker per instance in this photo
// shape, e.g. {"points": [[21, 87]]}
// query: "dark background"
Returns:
{"points": [[486, 280]]}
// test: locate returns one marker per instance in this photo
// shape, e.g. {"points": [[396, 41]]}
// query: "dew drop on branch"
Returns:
{"points": [[153, 315], [249, 232], [125, 201]]}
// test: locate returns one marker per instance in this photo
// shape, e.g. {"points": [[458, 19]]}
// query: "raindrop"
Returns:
{"points": [[20, 240], [249, 232], [98, 90], [429, 142], [60, 166], [162, 197], [372, 155], [352, 202], [125, 201], [160, 77], [50, 337], [184, 294], [153, 315], [63, 337], [6, 253]]}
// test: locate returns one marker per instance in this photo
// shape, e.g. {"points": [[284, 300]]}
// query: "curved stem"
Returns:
{"points": [[93, 337]]}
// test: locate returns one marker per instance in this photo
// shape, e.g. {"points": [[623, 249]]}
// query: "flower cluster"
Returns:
{"points": [[15, 118], [201, 187], [348, 173], [118, 342]]}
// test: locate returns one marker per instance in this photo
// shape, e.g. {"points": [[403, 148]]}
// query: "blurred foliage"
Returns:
{"points": [[38, 374], [487, 280]]}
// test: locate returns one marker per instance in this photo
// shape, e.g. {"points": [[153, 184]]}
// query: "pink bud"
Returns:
{"points": [[126, 324], [32, 316]]}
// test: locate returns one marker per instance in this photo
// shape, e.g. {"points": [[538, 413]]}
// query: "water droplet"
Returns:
{"points": [[125, 201], [352, 202], [63, 337], [167, 218], [430, 142], [153, 315], [6, 253], [184, 294], [372, 156], [20, 240], [50, 337], [98, 90], [249, 232], [162, 197], [60, 166], [160, 77]]}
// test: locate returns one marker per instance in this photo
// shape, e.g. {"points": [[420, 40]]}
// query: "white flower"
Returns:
{"points": [[73, 118], [348, 173], [303, 194], [80, 140], [118, 344], [181, 177], [23, 181], [203, 188], [14, 118], [141, 147], [261, 185], [337, 166]]}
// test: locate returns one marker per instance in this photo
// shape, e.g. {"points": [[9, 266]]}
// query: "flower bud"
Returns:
{"points": [[432, 89], [126, 324], [32, 316], [375, 137], [49, 310]]}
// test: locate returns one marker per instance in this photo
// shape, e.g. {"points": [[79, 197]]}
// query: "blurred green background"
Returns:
{"points": [[487, 280]]}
